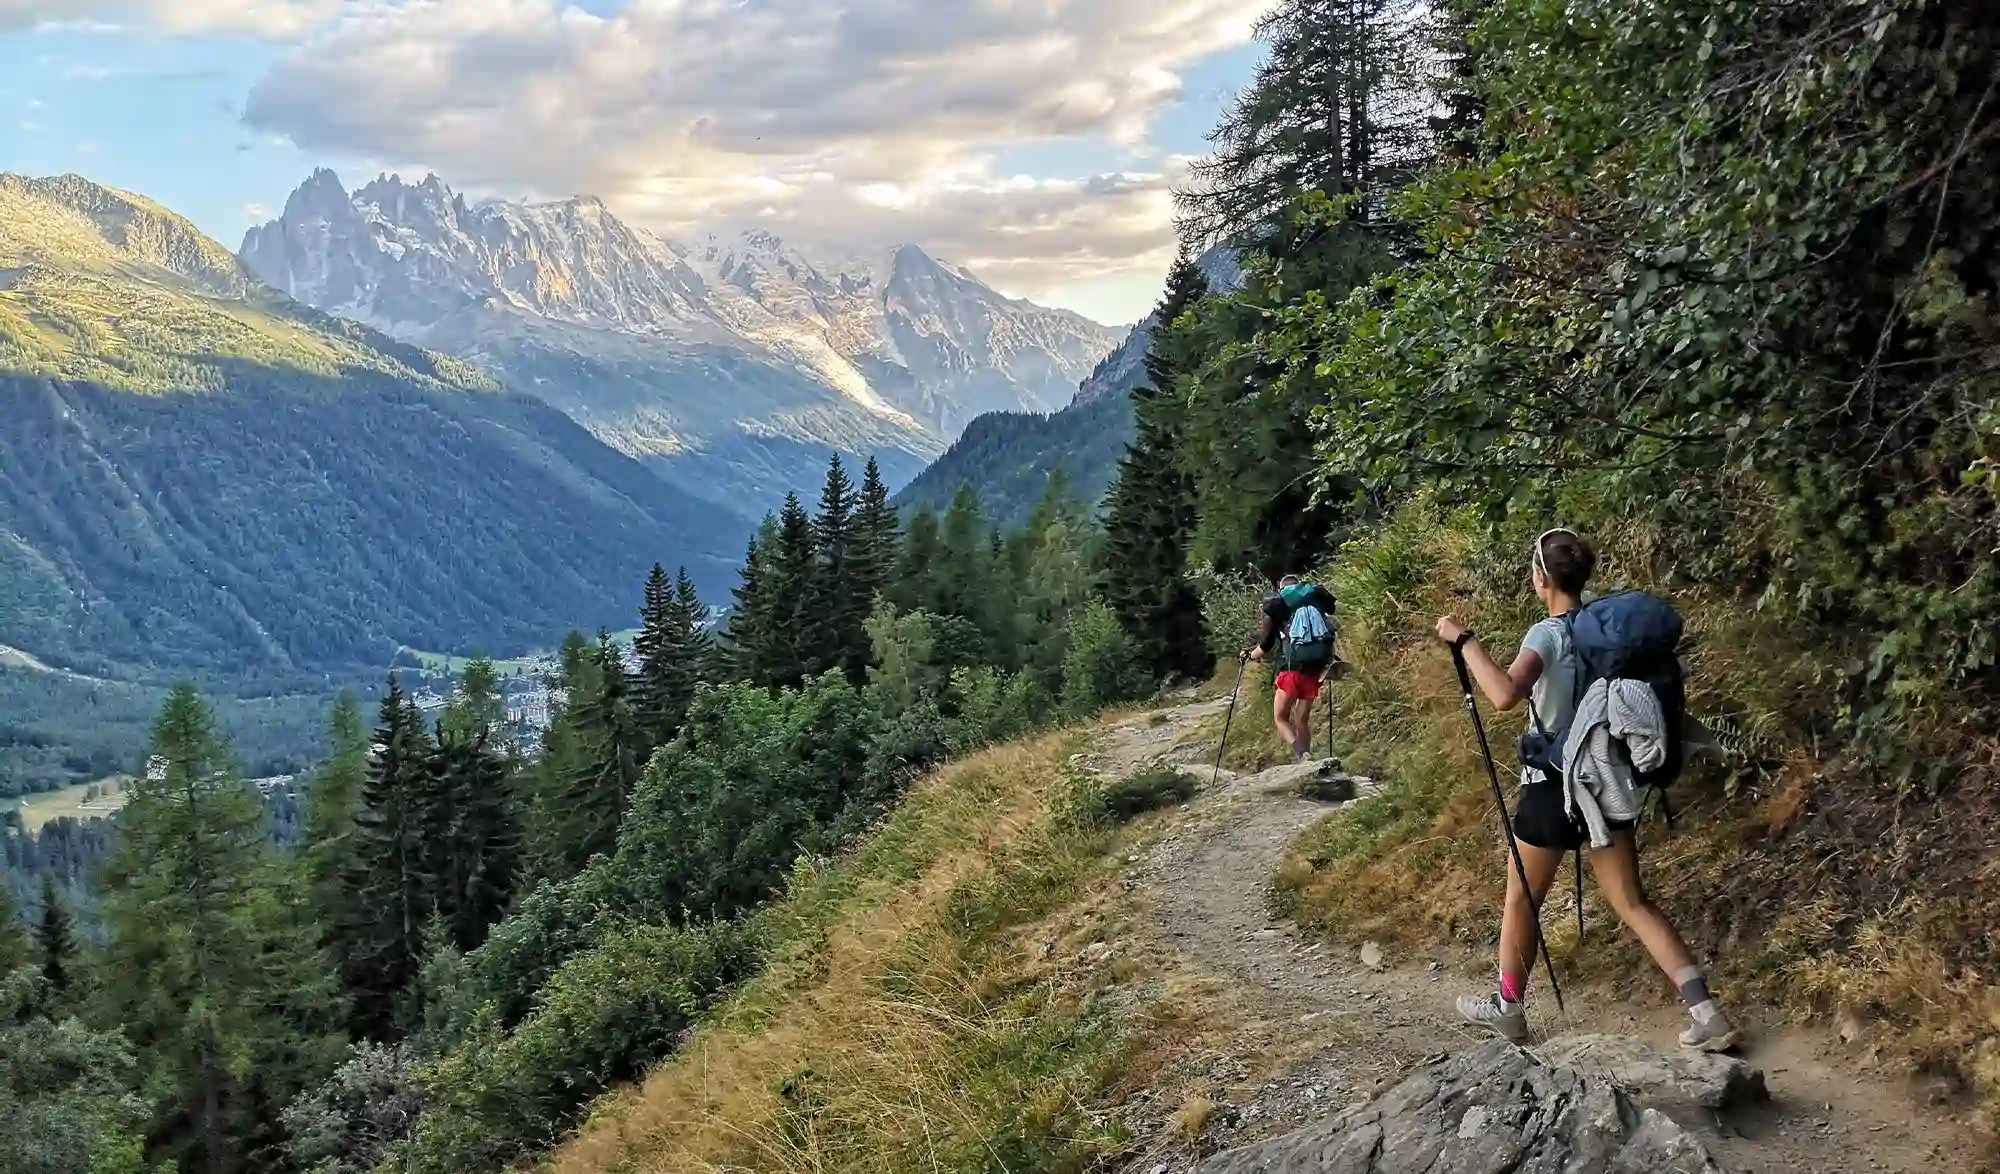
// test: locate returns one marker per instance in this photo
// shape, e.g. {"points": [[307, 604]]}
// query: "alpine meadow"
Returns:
{"points": [[520, 707]]}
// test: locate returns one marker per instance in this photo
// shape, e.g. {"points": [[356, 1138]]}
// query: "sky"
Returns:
{"points": [[1035, 142]]}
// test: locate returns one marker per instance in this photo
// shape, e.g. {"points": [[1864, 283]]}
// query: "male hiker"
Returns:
{"points": [[1301, 615]]}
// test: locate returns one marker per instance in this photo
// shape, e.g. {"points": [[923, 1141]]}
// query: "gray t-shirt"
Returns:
{"points": [[1554, 693]]}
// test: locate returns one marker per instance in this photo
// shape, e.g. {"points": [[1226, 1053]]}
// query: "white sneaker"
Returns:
{"points": [[1711, 1034], [1509, 1019]]}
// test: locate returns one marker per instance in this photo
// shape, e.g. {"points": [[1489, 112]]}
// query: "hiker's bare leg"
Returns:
{"points": [[1302, 724], [1517, 920], [1616, 870], [1281, 716]]}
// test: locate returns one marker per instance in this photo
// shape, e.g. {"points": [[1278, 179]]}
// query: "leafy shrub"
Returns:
{"points": [[371, 1103], [1149, 790], [605, 1017], [1100, 663]]}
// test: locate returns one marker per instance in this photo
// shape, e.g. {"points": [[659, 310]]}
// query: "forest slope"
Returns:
{"points": [[197, 475]]}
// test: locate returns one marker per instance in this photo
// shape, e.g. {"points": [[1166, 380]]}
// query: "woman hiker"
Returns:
{"points": [[1301, 615], [1544, 673]]}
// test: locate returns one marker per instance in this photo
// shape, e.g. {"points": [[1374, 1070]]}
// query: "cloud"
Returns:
{"points": [[858, 120], [273, 19], [256, 213]]}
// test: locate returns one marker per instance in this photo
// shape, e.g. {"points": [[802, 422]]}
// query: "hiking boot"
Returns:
{"points": [[1713, 1034], [1489, 1011]]}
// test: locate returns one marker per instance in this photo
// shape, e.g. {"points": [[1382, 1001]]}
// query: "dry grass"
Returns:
{"points": [[1812, 880], [935, 1011]]}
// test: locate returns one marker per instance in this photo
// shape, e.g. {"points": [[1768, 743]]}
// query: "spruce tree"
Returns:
{"points": [[661, 684], [791, 570], [675, 656], [876, 534], [1462, 111], [333, 799], [699, 653], [475, 839], [1151, 515], [1340, 106], [611, 759], [476, 710], [55, 938], [838, 613], [913, 585], [546, 828], [748, 639], [13, 936], [391, 885], [206, 970]]}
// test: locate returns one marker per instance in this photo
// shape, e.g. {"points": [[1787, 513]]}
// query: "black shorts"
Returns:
{"points": [[1539, 819]]}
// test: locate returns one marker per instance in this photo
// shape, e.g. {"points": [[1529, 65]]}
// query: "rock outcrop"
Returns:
{"points": [[1496, 1109], [1668, 1080]]}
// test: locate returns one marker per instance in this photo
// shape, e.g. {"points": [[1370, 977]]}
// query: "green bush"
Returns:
{"points": [[1149, 790], [605, 1017], [1100, 664]]}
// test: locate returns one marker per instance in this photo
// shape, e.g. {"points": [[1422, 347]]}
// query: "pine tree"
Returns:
{"points": [[838, 614], [1150, 514], [675, 656], [474, 842], [748, 638], [1341, 106], [1463, 115], [476, 710], [699, 653], [612, 757], [204, 968], [55, 938], [13, 938], [791, 567], [332, 801], [660, 691], [876, 535], [913, 586], [390, 885], [547, 850]]}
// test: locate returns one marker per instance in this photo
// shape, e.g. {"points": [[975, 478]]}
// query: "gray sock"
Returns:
{"points": [[1694, 986]]}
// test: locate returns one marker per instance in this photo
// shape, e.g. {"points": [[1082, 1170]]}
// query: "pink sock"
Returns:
{"points": [[1513, 987]]}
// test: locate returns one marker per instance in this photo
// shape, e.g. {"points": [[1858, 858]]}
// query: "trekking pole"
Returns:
{"points": [[1241, 661], [1506, 822]]}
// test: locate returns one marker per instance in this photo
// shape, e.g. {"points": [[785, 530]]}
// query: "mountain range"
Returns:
{"points": [[200, 476], [731, 365], [1007, 457]]}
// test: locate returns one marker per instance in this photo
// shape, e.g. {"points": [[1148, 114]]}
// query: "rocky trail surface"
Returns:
{"points": [[1345, 1023]]}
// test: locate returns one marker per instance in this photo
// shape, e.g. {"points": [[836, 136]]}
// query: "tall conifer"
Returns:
{"points": [[840, 605], [613, 753], [1151, 510], [204, 967], [391, 883], [55, 937]]}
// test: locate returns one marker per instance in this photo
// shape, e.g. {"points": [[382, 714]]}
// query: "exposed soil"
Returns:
{"points": [[1315, 1028]]}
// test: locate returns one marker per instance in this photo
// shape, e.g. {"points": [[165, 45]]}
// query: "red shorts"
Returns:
{"points": [[1299, 686]]}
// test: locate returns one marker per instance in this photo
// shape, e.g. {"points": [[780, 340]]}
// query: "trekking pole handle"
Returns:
{"points": [[1464, 670]]}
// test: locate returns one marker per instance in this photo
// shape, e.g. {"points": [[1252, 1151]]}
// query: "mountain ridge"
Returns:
{"points": [[722, 362], [207, 479]]}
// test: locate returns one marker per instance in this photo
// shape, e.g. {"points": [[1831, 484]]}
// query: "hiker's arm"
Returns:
{"points": [[1505, 688], [1267, 635]]}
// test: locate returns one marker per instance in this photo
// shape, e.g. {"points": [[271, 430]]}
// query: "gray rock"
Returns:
{"points": [[1495, 1109], [1712, 1082]]}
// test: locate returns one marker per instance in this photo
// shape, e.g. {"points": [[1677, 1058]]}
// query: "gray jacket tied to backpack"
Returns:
{"points": [[1618, 734]]}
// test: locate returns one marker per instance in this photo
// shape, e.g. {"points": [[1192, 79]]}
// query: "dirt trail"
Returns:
{"points": [[1204, 885]]}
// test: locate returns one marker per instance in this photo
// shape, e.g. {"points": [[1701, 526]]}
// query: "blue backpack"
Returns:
{"points": [[1629, 636], [1308, 634]]}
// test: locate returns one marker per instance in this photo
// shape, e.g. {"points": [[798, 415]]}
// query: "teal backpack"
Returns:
{"points": [[1309, 633]]}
